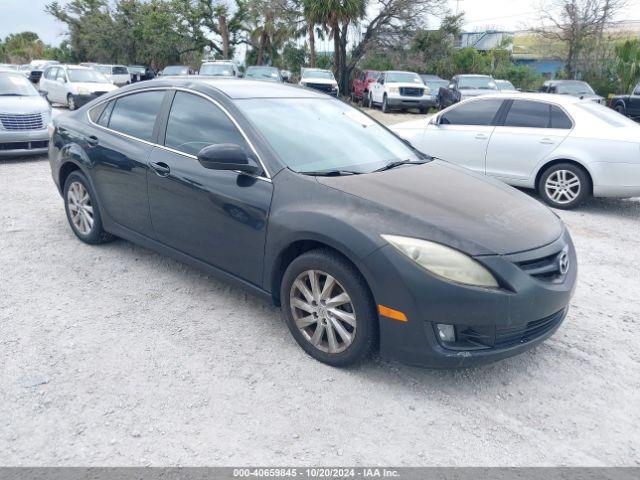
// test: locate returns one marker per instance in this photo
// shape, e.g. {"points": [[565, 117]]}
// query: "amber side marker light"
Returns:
{"points": [[391, 313]]}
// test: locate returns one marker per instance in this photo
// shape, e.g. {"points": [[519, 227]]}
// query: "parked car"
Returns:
{"points": [[222, 68], [176, 70], [36, 67], [140, 73], [505, 86], [566, 148], [628, 105], [361, 85], [319, 79], [117, 74], [304, 200], [575, 88], [466, 86], [434, 83], [269, 74], [24, 116], [400, 91], [73, 85]]}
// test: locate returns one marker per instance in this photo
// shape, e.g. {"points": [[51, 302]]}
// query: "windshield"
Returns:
{"points": [[399, 77], [574, 88], [607, 115], [136, 69], [318, 74], [120, 71], [220, 70], [16, 85], [268, 73], [434, 85], [505, 85], [476, 83], [86, 76], [318, 135], [176, 71]]}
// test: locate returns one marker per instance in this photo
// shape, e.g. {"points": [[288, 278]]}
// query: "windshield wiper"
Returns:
{"points": [[331, 173], [12, 95], [398, 163]]}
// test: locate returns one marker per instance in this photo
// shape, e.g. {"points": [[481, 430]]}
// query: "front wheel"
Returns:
{"points": [[385, 105], [620, 109], [564, 185], [328, 308], [71, 102]]}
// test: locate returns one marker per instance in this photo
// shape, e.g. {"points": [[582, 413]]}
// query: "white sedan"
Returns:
{"points": [[566, 148]]}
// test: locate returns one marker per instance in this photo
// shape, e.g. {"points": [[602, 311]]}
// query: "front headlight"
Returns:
{"points": [[394, 90], [426, 92], [443, 261]]}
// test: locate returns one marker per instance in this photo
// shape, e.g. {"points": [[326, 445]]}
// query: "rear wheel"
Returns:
{"points": [[328, 308], [620, 109], [82, 210], [564, 185]]}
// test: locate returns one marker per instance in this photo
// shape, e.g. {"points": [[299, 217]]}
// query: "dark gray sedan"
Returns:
{"points": [[366, 243]]}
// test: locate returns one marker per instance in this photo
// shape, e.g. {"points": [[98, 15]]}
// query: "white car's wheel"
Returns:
{"points": [[564, 185], [71, 103]]}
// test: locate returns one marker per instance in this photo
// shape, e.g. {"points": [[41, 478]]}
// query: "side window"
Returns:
{"points": [[48, 73], [478, 112], [136, 114], [104, 117], [61, 75], [527, 113], [559, 119], [195, 123]]}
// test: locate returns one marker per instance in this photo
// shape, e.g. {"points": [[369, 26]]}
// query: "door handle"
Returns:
{"points": [[161, 168], [92, 140], [547, 141], [481, 136]]}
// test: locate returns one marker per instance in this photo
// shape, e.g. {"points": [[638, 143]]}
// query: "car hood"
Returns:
{"points": [[473, 92], [22, 105], [447, 204], [95, 87]]}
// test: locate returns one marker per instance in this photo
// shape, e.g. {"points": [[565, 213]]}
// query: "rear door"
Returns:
{"points": [[462, 134], [216, 216], [532, 130], [119, 150]]}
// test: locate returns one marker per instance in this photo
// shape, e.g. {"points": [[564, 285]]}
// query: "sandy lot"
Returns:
{"points": [[114, 355]]}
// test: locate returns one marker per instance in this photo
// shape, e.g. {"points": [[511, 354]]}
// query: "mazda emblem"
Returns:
{"points": [[563, 262]]}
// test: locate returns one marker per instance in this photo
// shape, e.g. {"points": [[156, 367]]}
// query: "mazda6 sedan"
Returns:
{"points": [[566, 148], [364, 242]]}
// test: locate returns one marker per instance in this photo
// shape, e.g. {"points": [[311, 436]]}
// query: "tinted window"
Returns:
{"points": [[479, 112], [525, 113], [195, 123], [559, 119], [103, 119], [136, 114]]}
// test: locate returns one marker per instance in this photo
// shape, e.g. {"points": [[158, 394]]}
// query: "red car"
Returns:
{"points": [[360, 87]]}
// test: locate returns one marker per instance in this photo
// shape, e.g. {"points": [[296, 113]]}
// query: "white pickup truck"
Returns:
{"points": [[400, 91]]}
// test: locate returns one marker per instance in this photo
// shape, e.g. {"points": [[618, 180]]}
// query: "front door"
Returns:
{"points": [[216, 216], [462, 133]]}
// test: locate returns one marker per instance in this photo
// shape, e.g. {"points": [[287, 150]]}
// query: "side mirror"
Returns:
{"points": [[435, 120], [227, 156]]}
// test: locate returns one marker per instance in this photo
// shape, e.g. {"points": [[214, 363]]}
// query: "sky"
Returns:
{"points": [[20, 15]]}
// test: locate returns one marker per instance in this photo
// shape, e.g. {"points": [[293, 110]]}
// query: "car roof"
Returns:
{"points": [[547, 97], [473, 75], [399, 71], [234, 88]]}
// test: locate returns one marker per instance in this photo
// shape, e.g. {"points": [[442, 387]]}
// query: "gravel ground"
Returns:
{"points": [[114, 355]]}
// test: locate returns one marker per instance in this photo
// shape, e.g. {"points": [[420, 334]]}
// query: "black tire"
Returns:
{"points": [[370, 103], [563, 202], [385, 106], [424, 111], [96, 234], [620, 109], [71, 103], [349, 279]]}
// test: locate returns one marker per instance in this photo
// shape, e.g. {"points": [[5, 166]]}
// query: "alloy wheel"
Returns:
{"points": [[323, 311], [80, 208], [562, 186]]}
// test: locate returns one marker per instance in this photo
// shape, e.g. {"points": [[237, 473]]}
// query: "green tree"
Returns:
{"points": [[628, 64]]}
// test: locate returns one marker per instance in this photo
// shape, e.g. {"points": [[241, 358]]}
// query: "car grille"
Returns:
{"points": [[24, 145], [411, 92], [527, 332], [323, 87], [545, 268], [21, 122]]}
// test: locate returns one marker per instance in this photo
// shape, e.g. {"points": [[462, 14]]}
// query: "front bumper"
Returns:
{"points": [[85, 98], [524, 312], [411, 102], [19, 143]]}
